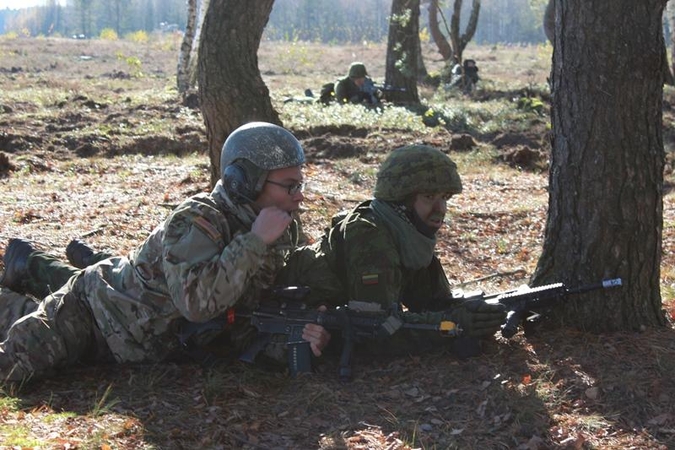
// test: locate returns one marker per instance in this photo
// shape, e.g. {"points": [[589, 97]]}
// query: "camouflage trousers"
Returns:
{"points": [[47, 273], [40, 336]]}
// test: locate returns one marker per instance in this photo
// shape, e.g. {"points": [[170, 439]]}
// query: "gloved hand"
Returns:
{"points": [[477, 318]]}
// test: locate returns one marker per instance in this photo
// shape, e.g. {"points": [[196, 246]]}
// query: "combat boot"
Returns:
{"points": [[16, 264], [79, 254]]}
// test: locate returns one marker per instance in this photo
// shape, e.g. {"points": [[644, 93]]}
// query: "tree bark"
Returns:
{"points": [[231, 89], [606, 177], [549, 20], [184, 61], [459, 42], [441, 42], [402, 48], [549, 30]]}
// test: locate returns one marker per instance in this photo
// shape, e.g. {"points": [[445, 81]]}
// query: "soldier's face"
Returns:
{"points": [[431, 208], [282, 189], [359, 81]]}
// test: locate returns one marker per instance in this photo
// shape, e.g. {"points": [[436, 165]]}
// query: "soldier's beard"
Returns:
{"points": [[421, 226]]}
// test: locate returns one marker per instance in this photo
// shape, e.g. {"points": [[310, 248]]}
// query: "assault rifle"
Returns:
{"points": [[372, 90], [533, 301], [283, 312]]}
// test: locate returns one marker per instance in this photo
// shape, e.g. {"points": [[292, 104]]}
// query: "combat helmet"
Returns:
{"points": [[416, 169], [250, 152], [357, 70]]}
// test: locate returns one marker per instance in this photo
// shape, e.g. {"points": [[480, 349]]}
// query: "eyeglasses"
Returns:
{"points": [[293, 188]]}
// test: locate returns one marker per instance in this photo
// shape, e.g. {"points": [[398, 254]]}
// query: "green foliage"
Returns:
{"points": [[133, 62], [108, 34], [140, 37], [303, 116], [425, 36], [532, 104], [18, 436], [402, 19]]}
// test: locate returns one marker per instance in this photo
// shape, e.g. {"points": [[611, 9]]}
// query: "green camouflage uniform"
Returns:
{"points": [[346, 91], [202, 260], [376, 254], [361, 259]]}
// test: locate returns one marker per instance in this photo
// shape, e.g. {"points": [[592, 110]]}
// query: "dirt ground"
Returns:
{"points": [[90, 148]]}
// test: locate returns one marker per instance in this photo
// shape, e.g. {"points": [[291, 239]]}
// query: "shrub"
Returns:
{"points": [[140, 37], [108, 34]]}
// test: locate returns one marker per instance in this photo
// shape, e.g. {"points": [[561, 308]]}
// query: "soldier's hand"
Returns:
{"points": [[271, 224], [478, 318], [317, 336]]}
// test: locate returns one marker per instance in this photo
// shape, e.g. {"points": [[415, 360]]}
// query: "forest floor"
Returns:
{"points": [[95, 143]]}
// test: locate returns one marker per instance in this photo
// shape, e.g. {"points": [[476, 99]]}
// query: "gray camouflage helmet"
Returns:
{"points": [[357, 70], [250, 152], [416, 169], [266, 145]]}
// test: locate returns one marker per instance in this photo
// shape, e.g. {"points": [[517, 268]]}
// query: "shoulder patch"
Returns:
{"points": [[370, 279], [208, 229]]}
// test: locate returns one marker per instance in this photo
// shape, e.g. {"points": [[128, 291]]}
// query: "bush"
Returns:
{"points": [[140, 37], [108, 34]]}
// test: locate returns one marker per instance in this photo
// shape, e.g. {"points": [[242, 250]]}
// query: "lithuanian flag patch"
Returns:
{"points": [[370, 279]]}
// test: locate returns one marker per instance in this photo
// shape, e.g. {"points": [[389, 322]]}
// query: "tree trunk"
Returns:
{"points": [[549, 30], [606, 177], [202, 7], [459, 42], [402, 48], [437, 35], [452, 52], [231, 90], [549, 20], [422, 73], [184, 61]]}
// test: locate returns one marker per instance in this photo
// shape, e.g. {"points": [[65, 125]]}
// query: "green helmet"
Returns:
{"points": [[416, 169], [357, 70], [251, 151]]}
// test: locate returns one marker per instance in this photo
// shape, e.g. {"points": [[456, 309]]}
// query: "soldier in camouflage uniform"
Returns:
{"points": [[356, 87], [212, 252], [383, 250]]}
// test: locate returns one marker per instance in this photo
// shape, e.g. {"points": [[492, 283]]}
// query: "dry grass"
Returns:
{"points": [[111, 172]]}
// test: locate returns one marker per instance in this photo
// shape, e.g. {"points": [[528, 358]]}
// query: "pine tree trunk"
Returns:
{"points": [[606, 177], [231, 90]]}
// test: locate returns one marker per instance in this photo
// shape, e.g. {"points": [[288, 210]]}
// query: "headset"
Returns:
{"points": [[238, 183]]}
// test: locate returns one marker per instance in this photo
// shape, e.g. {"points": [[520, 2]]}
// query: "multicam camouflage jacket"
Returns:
{"points": [[201, 261]]}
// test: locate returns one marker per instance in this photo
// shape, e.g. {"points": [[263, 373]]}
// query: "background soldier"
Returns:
{"points": [[357, 87]]}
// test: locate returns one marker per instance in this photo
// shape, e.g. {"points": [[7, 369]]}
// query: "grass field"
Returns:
{"points": [[95, 143]]}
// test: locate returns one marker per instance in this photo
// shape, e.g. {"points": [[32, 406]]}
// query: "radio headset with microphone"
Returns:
{"points": [[237, 180]]}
